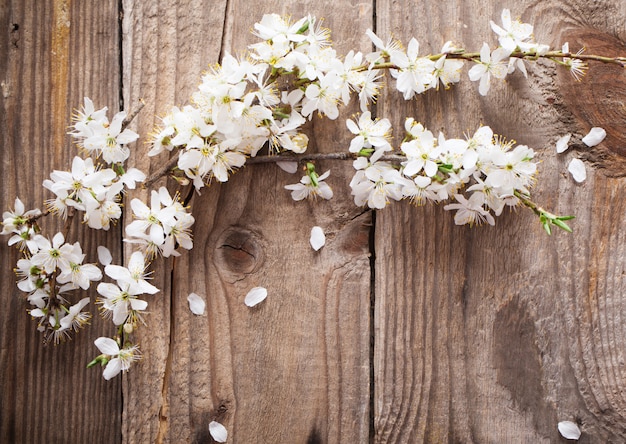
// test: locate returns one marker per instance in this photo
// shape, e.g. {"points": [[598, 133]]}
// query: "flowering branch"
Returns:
{"points": [[260, 104], [459, 54]]}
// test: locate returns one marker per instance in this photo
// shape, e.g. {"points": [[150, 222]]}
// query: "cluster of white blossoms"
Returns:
{"points": [[88, 186], [437, 169], [47, 272], [50, 270], [120, 301], [161, 227], [262, 101], [242, 106], [293, 72]]}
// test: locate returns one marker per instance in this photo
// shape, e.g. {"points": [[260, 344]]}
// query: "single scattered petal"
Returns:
{"points": [[318, 239], [290, 167], [255, 296], [561, 144], [196, 304], [569, 430], [104, 255], [577, 168], [594, 137], [218, 431]]}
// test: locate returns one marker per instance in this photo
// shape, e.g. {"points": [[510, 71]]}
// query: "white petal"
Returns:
{"points": [[317, 238], [561, 144], [577, 168], [196, 304], [569, 430], [290, 167], [254, 296], [112, 369], [107, 346], [138, 304], [594, 137], [104, 255], [218, 431]]}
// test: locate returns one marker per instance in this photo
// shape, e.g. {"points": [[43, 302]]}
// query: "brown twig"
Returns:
{"points": [[300, 158], [129, 118]]}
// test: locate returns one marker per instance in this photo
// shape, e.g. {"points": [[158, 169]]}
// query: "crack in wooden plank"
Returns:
{"points": [[164, 409]]}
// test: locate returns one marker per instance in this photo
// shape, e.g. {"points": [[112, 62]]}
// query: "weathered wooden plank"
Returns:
{"points": [[496, 334], [165, 47], [52, 53], [295, 368]]}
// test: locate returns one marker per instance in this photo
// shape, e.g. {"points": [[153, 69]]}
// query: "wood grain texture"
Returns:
{"points": [[296, 368], [165, 45], [496, 334], [482, 335], [52, 53]]}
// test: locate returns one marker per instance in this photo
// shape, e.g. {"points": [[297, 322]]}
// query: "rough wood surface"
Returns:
{"points": [[496, 334], [296, 368], [52, 53], [482, 335]]}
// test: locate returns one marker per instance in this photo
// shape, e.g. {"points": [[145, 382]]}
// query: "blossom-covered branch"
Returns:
{"points": [[254, 110]]}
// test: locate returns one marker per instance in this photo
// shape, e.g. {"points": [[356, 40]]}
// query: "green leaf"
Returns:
{"points": [[98, 360], [559, 223], [545, 221], [446, 168], [303, 28]]}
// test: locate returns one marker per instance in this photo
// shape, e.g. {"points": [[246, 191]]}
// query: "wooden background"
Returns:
{"points": [[404, 328]]}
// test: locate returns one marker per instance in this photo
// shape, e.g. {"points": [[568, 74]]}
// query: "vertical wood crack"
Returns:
{"points": [[372, 242], [372, 247], [120, 61], [164, 408]]}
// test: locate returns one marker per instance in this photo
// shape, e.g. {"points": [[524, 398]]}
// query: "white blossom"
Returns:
{"points": [[110, 140], [307, 188], [13, 221], [513, 34], [491, 64], [415, 74], [75, 318], [370, 133], [470, 211], [120, 359]]}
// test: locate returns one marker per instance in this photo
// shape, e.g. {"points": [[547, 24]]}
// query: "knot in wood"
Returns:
{"points": [[238, 252]]}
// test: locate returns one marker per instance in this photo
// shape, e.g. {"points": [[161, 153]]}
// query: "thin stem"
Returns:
{"points": [[129, 118], [620, 61], [300, 157], [475, 56], [288, 157], [31, 220], [162, 171], [529, 203]]}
